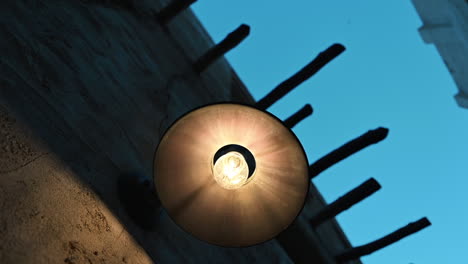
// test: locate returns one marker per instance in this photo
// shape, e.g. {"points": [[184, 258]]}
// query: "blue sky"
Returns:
{"points": [[386, 77]]}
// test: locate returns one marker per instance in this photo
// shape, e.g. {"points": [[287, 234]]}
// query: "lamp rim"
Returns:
{"points": [[255, 108]]}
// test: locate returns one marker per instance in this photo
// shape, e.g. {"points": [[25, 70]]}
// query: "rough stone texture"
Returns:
{"points": [[16, 148], [86, 90], [49, 217]]}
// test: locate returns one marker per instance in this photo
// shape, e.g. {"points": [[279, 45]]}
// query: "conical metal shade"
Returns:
{"points": [[251, 214]]}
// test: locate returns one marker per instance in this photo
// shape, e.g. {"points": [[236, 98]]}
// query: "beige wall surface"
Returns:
{"points": [[86, 90]]}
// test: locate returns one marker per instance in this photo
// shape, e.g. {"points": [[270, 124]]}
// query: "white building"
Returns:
{"points": [[445, 24]]}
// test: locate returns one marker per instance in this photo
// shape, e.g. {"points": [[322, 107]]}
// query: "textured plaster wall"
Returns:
{"points": [[86, 90]]}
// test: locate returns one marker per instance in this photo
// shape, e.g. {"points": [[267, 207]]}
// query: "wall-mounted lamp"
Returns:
{"points": [[231, 175]]}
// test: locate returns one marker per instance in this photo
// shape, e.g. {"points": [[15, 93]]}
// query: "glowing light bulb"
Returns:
{"points": [[231, 170]]}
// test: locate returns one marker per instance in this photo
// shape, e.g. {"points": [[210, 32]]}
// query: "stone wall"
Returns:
{"points": [[86, 90]]}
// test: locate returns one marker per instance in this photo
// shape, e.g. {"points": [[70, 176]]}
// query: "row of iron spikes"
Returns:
{"points": [[357, 195], [235, 38], [371, 137]]}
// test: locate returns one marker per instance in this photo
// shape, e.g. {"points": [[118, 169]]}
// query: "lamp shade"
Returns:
{"points": [[257, 210]]}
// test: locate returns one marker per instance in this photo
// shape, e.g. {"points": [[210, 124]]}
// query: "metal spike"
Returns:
{"points": [[298, 116], [357, 252], [172, 10], [348, 149], [232, 40], [346, 201], [305, 73]]}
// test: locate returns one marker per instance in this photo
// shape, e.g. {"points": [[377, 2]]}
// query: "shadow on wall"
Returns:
{"points": [[98, 84]]}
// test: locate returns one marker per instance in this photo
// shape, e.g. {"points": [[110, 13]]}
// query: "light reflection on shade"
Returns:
{"points": [[256, 211]]}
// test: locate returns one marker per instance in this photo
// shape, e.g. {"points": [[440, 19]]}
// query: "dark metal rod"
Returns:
{"points": [[173, 9], [232, 40], [298, 116], [389, 239], [348, 149], [346, 201], [302, 75]]}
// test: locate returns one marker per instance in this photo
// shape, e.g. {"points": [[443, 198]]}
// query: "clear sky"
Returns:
{"points": [[386, 77]]}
